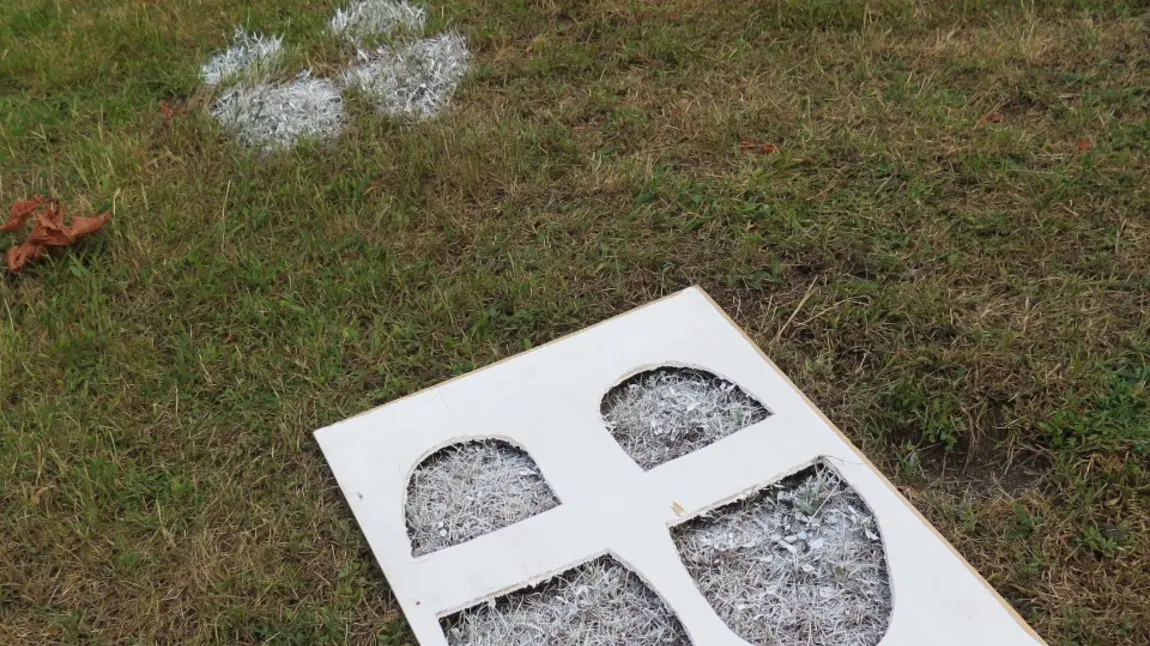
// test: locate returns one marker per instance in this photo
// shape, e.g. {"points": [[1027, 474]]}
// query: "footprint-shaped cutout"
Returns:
{"points": [[598, 602], [666, 413], [363, 20], [798, 563], [472, 488], [412, 77]]}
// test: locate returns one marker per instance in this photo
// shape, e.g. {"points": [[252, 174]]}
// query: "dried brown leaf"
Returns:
{"points": [[758, 147], [48, 230], [23, 210], [85, 226], [991, 117], [22, 254]]}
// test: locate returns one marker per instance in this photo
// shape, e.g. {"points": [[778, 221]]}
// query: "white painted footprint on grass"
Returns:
{"points": [[415, 79]]}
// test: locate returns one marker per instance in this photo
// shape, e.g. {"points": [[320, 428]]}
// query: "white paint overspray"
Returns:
{"points": [[600, 603], [663, 414], [250, 54], [272, 117], [799, 563], [469, 489], [414, 80], [365, 19]]}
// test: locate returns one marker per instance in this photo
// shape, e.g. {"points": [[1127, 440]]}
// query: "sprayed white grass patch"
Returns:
{"points": [[413, 80], [249, 53], [799, 563], [663, 414], [599, 603], [270, 117], [470, 489], [367, 18]]}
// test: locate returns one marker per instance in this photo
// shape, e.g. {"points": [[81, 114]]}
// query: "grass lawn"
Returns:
{"points": [[949, 251]]}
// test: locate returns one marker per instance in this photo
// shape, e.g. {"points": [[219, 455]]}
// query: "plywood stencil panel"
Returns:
{"points": [[549, 402]]}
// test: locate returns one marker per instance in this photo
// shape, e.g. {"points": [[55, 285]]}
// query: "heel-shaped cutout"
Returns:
{"points": [[469, 489], [666, 413], [799, 563], [598, 603]]}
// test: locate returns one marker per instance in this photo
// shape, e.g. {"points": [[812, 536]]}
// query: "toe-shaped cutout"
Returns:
{"points": [[469, 489], [799, 563], [598, 603], [666, 413]]}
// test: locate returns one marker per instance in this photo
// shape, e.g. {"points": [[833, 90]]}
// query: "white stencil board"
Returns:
{"points": [[547, 401]]}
